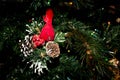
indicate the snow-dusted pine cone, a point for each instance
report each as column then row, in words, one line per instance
column 26, row 45
column 52, row 49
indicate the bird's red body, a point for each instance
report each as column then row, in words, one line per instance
column 47, row 32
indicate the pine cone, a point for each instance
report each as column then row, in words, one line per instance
column 52, row 49
column 26, row 45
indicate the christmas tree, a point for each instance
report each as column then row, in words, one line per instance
column 64, row 40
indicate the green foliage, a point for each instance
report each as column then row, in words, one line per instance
column 111, row 36
column 89, row 51
column 59, row 37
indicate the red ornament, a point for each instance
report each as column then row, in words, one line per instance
column 47, row 32
column 37, row 41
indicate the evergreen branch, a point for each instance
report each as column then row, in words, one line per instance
column 90, row 50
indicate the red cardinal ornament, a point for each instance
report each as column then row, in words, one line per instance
column 47, row 32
